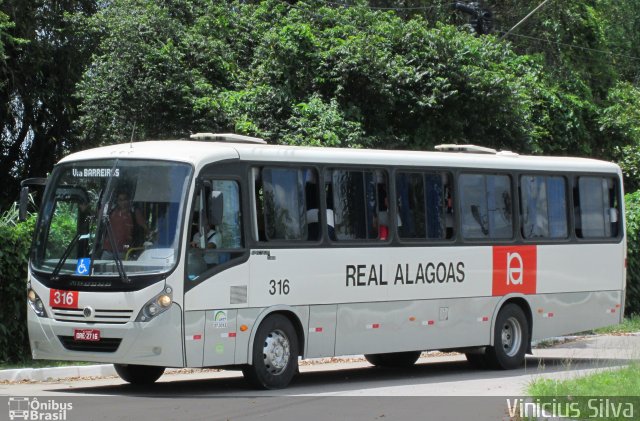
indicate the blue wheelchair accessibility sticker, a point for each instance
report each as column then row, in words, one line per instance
column 82, row 268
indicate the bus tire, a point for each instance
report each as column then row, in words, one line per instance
column 275, row 354
column 393, row 359
column 138, row 374
column 511, row 339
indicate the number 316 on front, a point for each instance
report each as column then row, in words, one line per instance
column 63, row 299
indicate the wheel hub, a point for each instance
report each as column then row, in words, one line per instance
column 511, row 336
column 276, row 352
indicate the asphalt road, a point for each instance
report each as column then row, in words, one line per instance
column 439, row 388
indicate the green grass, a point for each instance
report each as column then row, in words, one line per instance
column 42, row 364
column 596, row 396
column 609, row 382
column 629, row 325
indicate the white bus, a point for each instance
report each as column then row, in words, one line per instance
column 228, row 252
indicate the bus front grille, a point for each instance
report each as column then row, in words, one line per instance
column 76, row 315
column 103, row 345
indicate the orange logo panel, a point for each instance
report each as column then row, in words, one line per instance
column 515, row 269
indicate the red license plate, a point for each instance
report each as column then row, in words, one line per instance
column 63, row 299
column 90, row 335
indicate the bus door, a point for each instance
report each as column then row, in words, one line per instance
column 216, row 281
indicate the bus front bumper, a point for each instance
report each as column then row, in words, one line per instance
column 157, row 342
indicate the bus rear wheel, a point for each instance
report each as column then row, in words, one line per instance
column 511, row 339
column 393, row 359
column 275, row 354
column 138, row 374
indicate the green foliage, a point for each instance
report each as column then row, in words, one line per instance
column 16, row 238
column 45, row 53
column 630, row 324
column 383, row 78
column 632, row 211
column 5, row 25
column 273, row 70
column 620, row 120
column 413, row 75
column 63, row 228
column 318, row 123
column 139, row 76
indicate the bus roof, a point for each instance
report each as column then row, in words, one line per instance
column 200, row 153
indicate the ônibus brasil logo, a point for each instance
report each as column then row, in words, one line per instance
column 24, row 408
column 515, row 269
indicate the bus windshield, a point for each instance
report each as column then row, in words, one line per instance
column 111, row 218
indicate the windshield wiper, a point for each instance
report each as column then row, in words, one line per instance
column 65, row 255
column 102, row 214
column 123, row 275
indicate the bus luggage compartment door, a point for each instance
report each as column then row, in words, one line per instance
column 220, row 337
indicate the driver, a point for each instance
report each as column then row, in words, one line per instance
column 122, row 219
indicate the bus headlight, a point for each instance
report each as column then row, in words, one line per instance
column 36, row 303
column 157, row 305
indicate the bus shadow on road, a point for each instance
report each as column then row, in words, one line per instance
column 350, row 380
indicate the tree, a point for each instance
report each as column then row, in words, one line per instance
column 5, row 36
column 143, row 76
column 376, row 73
column 273, row 70
column 44, row 56
column 620, row 120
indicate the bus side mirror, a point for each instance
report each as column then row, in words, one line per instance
column 214, row 208
column 23, row 204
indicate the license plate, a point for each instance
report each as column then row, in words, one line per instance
column 90, row 335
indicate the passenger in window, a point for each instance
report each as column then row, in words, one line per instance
column 381, row 221
column 83, row 226
column 124, row 221
column 212, row 238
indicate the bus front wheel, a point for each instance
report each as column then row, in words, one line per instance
column 275, row 354
column 511, row 339
column 138, row 374
column 393, row 359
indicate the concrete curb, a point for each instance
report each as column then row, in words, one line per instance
column 53, row 373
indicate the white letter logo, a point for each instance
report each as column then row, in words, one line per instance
column 514, row 273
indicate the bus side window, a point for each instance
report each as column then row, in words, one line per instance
column 259, row 201
column 486, row 206
column 435, row 185
column 355, row 195
column 411, row 205
column 424, row 205
column 287, row 204
column 543, row 205
column 597, row 207
column 215, row 241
